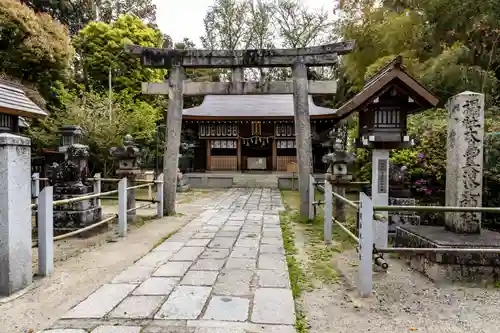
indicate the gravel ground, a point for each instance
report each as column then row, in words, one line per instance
column 403, row 301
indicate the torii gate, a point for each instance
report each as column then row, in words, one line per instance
column 298, row 59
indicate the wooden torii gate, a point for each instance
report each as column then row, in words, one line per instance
column 298, row 59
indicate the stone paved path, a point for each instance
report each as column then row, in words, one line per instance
column 224, row 272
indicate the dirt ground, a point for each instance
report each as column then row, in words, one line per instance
column 83, row 264
column 403, row 301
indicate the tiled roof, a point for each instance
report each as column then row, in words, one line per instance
column 251, row 106
column 14, row 101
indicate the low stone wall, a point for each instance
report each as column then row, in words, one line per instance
column 209, row 182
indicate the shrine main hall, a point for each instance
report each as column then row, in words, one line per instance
column 252, row 132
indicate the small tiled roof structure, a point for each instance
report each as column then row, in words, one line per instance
column 15, row 102
column 251, row 106
column 393, row 74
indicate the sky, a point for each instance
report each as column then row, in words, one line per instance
column 184, row 18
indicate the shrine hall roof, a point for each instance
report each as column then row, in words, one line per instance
column 14, row 101
column 251, row 106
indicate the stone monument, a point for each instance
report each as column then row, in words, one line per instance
column 464, row 172
column 128, row 156
column 69, row 179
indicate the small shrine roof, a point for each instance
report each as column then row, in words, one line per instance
column 14, row 101
column 393, row 74
column 251, row 106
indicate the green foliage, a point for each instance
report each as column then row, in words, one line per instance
column 100, row 47
column 103, row 128
column 33, row 47
column 76, row 14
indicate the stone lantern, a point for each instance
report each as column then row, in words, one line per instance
column 128, row 156
column 384, row 104
column 70, row 135
column 338, row 161
column 69, row 179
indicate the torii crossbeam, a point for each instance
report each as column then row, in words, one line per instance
column 298, row 59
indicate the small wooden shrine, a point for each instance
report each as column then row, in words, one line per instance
column 252, row 132
column 15, row 106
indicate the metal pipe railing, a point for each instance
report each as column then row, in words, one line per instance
column 79, row 231
column 139, row 186
column 346, row 230
column 345, row 200
column 86, row 197
column 90, row 227
column 448, row 209
column 138, row 207
column 436, row 250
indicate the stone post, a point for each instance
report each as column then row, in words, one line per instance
column 128, row 156
column 15, row 214
column 380, row 192
column 327, row 223
column 339, row 204
column 303, row 133
column 173, row 135
column 464, row 161
column 237, row 79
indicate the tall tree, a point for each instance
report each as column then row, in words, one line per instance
column 300, row 26
column 76, row 14
column 100, row 48
column 110, row 10
column 243, row 24
column 33, row 47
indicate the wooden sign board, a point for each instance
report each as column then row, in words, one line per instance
column 291, row 167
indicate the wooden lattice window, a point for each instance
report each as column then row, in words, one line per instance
column 387, row 118
column 7, row 122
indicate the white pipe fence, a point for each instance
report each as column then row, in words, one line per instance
column 45, row 204
column 368, row 227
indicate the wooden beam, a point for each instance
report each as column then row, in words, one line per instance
column 239, row 88
column 209, row 154
column 238, row 152
column 275, row 155
column 312, row 56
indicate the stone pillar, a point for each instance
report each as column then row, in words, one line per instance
column 339, row 204
column 15, row 214
column 303, row 133
column 464, row 161
column 237, row 79
column 173, row 135
column 380, row 192
column 128, row 156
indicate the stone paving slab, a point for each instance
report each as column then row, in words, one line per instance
column 224, row 272
column 102, row 301
column 117, row 329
